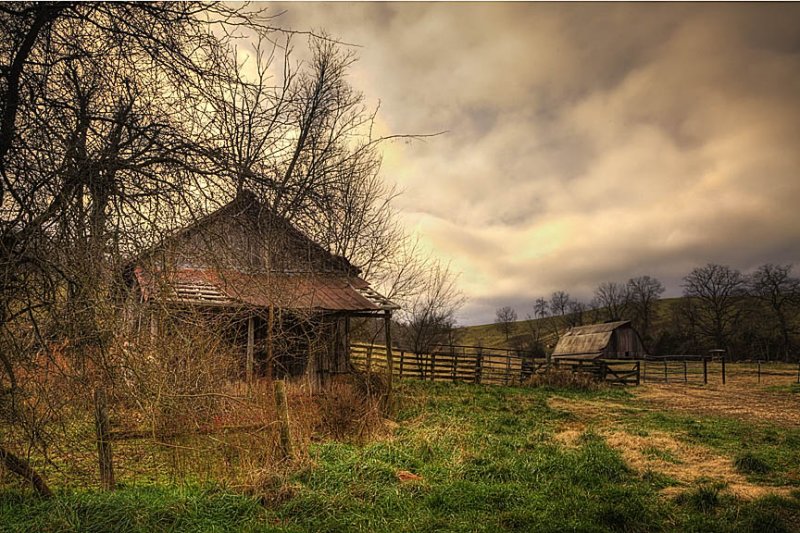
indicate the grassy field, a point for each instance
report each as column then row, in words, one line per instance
column 469, row 458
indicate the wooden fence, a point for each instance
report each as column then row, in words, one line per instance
column 498, row 366
column 686, row 369
column 491, row 366
column 703, row 369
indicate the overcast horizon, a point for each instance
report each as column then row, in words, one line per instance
column 585, row 142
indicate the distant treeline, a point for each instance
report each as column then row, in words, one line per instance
column 752, row 315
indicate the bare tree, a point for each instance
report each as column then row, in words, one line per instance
column 304, row 143
column 780, row 291
column 535, row 326
column 429, row 315
column 90, row 150
column 559, row 307
column 541, row 309
column 576, row 312
column 112, row 138
column 559, row 303
column 505, row 318
column 643, row 293
column 614, row 298
column 715, row 292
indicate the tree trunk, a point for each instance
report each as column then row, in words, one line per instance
column 23, row 469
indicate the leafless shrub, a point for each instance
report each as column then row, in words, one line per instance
column 566, row 379
column 347, row 412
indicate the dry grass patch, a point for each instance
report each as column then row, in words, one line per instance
column 745, row 402
column 570, row 433
column 655, row 451
column 687, row 463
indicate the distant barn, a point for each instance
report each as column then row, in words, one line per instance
column 608, row 340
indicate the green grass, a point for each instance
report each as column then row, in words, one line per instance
column 751, row 463
column 791, row 388
column 658, row 453
column 133, row 509
column 488, row 462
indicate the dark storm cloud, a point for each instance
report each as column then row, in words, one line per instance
column 587, row 142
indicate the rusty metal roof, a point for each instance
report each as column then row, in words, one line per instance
column 329, row 292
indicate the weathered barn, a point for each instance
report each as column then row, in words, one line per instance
column 287, row 301
column 607, row 340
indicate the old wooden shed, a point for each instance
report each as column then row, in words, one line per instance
column 287, row 300
column 608, row 340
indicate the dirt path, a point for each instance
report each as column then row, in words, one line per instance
column 751, row 403
column 655, row 451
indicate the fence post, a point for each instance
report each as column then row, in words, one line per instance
column 798, row 371
column 638, row 374
column 453, row 363
column 759, row 370
column 387, row 322
column 102, row 428
column 402, row 361
column 283, row 418
column 479, row 366
column 508, row 367
column 705, row 370
column 685, row 373
column 666, row 377
column 723, row 369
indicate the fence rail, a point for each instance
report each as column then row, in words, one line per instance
column 471, row 364
column 687, row 369
column 498, row 366
column 703, row 369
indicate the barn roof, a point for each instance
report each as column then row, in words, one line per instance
column 587, row 341
column 331, row 284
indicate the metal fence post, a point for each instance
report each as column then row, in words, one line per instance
column 705, row 370
column 723, row 369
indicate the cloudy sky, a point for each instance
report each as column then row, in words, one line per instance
column 585, row 142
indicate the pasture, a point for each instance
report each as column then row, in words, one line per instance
column 461, row 457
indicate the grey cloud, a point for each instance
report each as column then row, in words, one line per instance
column 587, row 142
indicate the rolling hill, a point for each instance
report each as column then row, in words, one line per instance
column 490, row 335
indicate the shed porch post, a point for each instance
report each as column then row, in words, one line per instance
column 248, row 372
column 387, row 320
column 346, row 363
column 270, row 326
